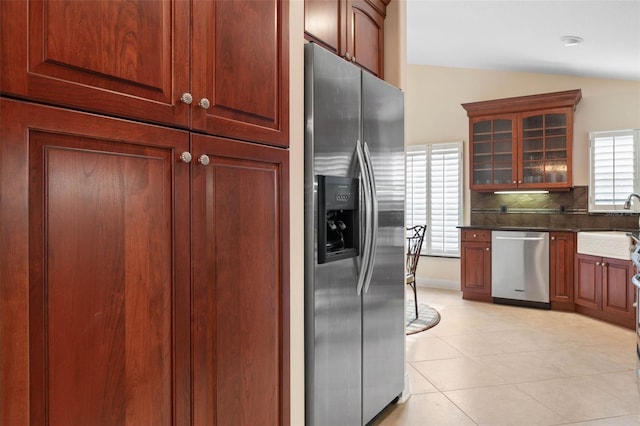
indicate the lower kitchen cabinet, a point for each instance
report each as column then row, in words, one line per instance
column 240, row 284
column 603, row 289
column 475, row 264
column 135, row 287
column 562, row 247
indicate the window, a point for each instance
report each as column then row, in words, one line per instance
column 613, row 158
column 434, row 195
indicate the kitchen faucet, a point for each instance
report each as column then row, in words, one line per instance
column 627, row 204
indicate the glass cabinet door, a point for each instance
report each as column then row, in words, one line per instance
column 545, row 148
column 492, row 151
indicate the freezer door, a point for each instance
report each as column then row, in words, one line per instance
column 333, row 332
column 383, row 318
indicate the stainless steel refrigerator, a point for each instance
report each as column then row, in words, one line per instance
column 354, row 241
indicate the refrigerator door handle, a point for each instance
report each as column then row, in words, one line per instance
column 366, row 251
column 374, row 219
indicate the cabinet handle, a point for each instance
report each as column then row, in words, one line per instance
column 186, row 157
column 204, row 103
column 203, row 159
column 186, row 98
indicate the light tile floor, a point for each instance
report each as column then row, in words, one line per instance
column 487, row 364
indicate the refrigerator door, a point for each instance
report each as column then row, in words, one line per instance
column 383, row 334
column 333, row 339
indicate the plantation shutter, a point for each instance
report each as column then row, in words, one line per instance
column 434, row 195
column 445, row 208
column 614, row 173
column 416, row 209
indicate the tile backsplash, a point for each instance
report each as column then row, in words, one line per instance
column 561, row 210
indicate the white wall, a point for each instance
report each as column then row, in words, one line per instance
column 434, row 114
column 296, row 189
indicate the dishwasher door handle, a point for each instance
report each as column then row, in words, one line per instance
column 521, row 238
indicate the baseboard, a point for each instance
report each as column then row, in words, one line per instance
column 442, row 284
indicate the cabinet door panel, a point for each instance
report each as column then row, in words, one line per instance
column 494, row 152
column 104, row 336
column 588, row 281
column 617, row 291
column 241, row 289
column 561, row 253
column 240, row 62
column 323, row 24
column 107, row 56
column 476, row 267
column 365, row 36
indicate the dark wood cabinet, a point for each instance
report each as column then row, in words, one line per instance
column 145, row 262
column 603, row 289
column 353, row 29
column 219, row 67
column 562, row 246
column 522, row 143
column 138, row 288
column 475, row 264
column 94, row 301
column 240, row 284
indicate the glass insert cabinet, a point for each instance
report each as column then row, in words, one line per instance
column 522, row 143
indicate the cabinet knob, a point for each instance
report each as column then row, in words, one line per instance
column 186, row 157
column 553, row 238
column 203, row 159
column 204, row 103
column 353, row 59
column 186, row 98
column 487, row 249
column 597, row 263
column 604, row 264
column 475, row 235
column 519, row 181
column 347, row 56
column 514, row 181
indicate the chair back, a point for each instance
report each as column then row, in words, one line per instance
column 415, row 235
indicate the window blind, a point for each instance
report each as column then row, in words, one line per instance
column 614, row 169
column 434, row 195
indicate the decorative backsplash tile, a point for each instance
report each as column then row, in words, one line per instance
column 562, row 210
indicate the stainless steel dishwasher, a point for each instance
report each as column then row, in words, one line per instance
column 520, row 268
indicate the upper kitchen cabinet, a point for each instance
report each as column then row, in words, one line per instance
column 240, row 69
column 353, row 29
column 220, row 67
column 522, row 143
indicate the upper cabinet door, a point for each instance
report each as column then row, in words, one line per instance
column 352, row 29
column 546, row 141
column 240, row 69
column 323, row 23
column 493, row 151
column 122, row 58
column 365, row 36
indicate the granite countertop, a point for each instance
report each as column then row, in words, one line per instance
column 633, row 233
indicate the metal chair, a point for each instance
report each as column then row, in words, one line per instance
column 415, row 235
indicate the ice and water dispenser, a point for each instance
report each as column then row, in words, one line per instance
column 338, row 217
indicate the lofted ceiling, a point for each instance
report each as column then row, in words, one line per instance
column 525, row 35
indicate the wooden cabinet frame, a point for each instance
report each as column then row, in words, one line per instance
column 517, row 110
column 603, row 289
